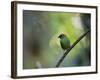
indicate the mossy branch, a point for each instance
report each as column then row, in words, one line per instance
column 71, row 47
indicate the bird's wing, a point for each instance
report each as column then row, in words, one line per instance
column 65, row 43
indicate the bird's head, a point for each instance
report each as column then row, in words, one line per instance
column 61, row 36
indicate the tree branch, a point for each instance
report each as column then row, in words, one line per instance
column 71, row 47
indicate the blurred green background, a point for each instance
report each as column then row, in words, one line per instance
column 41, row 46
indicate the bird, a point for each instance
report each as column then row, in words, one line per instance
column 64, row 41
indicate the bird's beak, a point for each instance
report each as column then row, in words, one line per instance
column 59, row 36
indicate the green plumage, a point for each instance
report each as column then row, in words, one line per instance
column 64, row 41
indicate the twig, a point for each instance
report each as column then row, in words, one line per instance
column 69, row 49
